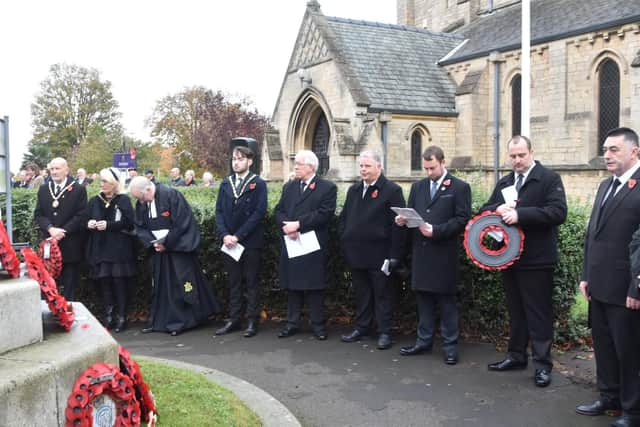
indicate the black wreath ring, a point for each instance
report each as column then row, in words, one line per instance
column 487, row 258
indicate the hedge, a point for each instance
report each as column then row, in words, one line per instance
column 483, row 313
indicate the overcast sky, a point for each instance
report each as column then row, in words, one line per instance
column 149, row 49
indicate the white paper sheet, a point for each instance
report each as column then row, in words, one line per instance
column 235, row 252
column 303, row 245
column 509, row 194
column 413, row 218
column 159, row 235
column 385, row 267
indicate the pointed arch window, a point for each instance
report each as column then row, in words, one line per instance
column 416, row 150
column 516, row 105
column 608, row 98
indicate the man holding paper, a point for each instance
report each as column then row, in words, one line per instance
column 373, row 245
column 240, row 208
column 305, row 209
column 182, row 297
column 533, row 198
column 444, row 202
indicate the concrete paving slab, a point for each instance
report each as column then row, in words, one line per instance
column 331, row 383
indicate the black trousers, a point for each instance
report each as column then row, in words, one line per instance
column 530, row 309
column 69, row 279
column 373, row 296
column 246, row 269
column 616, row 343
column 449, row 330
column 117, row 286
column 315, row 301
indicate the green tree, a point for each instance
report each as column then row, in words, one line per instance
column 74, row 105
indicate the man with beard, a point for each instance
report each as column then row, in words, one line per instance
column 182, row 297
column 59, row 214
column 240, row 208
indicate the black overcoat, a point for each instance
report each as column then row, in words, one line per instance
column 116, row 244
column 314, row 209
column 242, row 217
column 541, row 207
column 435, row 260
column 70, row 215
column 606, row 265
column 366, row 226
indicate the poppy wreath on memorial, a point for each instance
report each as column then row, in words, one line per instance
column 145, row 398
column 483, row 226
column 98, row 379
column 54, row 262
column 61, row 309
column 8, row 256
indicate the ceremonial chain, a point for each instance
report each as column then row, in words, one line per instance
column 247, row 180
column 55, row 202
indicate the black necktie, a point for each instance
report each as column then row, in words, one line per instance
column 364, row 191
column 238, row 184
column 612, row 192
column 57, row 189
column 303, row 185
column 519, row 182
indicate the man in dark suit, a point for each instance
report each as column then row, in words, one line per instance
column 370, row 239
column 607, row 282
column 444, row 203
column 540, row 208
column 59, row 214
column 240, row 209
column 307, row 204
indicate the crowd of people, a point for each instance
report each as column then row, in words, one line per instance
column 375, row 242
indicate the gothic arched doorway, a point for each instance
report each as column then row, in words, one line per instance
column 312, row 129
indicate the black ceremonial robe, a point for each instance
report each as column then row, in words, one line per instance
column 182, row 297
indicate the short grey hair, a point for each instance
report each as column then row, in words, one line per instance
column 370, row 154
column 309, row 158
column 140, row 184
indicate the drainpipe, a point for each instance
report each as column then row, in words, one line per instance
column 8, row 214
column 496, row 58
column 384, row 118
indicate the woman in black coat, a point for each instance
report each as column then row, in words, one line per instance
column 111, row 247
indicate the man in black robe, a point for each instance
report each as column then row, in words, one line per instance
column 182, row 297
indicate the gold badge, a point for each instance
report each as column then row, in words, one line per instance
column 188, row 287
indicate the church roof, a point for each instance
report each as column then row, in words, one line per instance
column 550, row 20
column 394, row 68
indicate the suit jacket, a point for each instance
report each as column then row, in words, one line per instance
column 314, row 209
column 366, row 225
column 606, row 265
column 242, row 217
column 70, row 215
column 541, row 207
column 435, row 259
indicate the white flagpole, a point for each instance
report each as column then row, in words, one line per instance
column 526, row 70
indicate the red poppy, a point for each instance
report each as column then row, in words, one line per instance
column 165, row 214
column 374, row 195
column 312, row 186
column 447, row 182
column 69, row 188
column 252, row 186
column 632, row 183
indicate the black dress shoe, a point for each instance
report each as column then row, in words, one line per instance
column 321, row 335
column 626, row 421
column 121, row 325
column 412, row 350
column 230, row 326
column 252, row 329
column 507, row 365
column 451, row 358
column 542, row 377
column 384, row 341
column 287, row 332
column 174, row 333
column 600, row 407
column 354, row 336
column 147, row 329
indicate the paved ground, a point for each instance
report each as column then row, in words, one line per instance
column 331, row 383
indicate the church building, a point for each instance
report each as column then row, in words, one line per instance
column 442, row 75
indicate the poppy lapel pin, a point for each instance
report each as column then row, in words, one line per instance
column 632, row 183
column 312, row 186
column 252, row 186
column 165, row 214
column 374, row 195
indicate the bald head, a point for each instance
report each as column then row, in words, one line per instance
column 142, row 189
column 58, row 169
